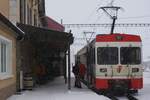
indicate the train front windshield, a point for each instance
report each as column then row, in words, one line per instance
column 130, row 55
column 107, row 55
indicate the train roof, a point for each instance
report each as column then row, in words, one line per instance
column 118, row 37
column 84, row 49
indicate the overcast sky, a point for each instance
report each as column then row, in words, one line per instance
column 86, row 11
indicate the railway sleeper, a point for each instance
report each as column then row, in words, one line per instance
column 109, row 94
column 130, row 97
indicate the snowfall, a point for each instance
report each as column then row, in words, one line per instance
column 57, row 90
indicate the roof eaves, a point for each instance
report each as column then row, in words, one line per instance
column 18, row 32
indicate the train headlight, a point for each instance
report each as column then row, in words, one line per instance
column 103, row 70
column 134, row 70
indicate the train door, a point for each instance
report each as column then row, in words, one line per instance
column 119, row 70
column 91, row 65
column 88, row 65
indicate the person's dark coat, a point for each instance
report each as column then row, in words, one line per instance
column 75, row 70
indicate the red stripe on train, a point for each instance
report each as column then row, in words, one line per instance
column 101, row 83
column 137, row 83
column 134, row 83
column 118, row 38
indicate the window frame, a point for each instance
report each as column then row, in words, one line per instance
column 8, row 72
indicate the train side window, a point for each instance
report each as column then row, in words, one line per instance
column 107, row 55
column 94, row 54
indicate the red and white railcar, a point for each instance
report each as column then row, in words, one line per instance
column 113, row 62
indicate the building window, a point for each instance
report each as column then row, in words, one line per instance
column 5, row 58
column 35, row 18
column 29, row 12
column 22, row 11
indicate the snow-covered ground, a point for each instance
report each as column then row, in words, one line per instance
column 144, row 94
column 57, row 90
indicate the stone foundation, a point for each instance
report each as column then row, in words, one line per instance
column 7, row 92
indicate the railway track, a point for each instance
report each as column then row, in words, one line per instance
column 112, row 97
column 129, row 96
column 106, row 94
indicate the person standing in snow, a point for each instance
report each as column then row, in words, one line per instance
column 82, row 71
column 77, row 77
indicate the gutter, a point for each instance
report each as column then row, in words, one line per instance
column 19, row 33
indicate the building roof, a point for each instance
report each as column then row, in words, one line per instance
column 53, row 25
column 19, row 33
column 55, row 39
